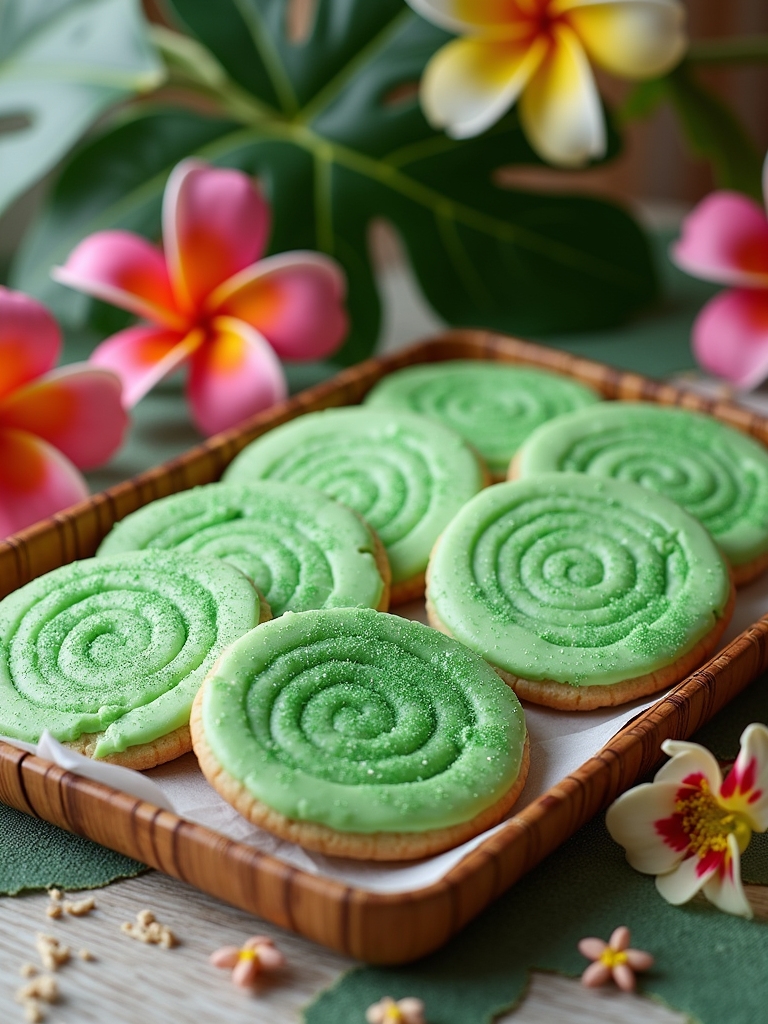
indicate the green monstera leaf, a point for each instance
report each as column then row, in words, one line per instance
column 62, row 64
column 331, row 125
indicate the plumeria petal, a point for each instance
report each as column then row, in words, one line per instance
column 215, row 224
column 560, row 108
column 725, row 240
column 36, row 481
column 639, row 960
column 78, row 409
column 141, row 357
column 619, row 939
column 490, row 18
column 632, row 821
column 730, row 336
column 30, row 340
column 470, row 83
column 245, row 972
column 227, row 956
column 689, row 763
column 686, row 880
column 724, row 888
column 294, row 300
column 595, row 975
column 592, row 948
column 235, row 374
column 745, row 787
column 624, row 977
column 126, row 270
column 630, row 38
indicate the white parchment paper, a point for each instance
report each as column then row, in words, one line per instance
column 560, row 743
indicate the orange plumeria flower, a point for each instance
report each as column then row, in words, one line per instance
column 613, row 959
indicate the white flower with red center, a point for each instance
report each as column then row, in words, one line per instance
column 689, row 827
column 538, row 53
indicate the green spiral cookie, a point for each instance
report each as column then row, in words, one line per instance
column 494, row 406
column 718, row 474
column 301, row 549
column 117, row 646
column 578, row 580
column 406, row 475
column 362, row 722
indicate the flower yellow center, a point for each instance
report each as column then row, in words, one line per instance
column 708, row 824
column 613, row 957
column 393, row 1015
column 248, row 954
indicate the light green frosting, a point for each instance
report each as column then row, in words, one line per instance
column 406, row 475
column 117, row 645
column 301, row 549
column 364, row 722
column 577, row 579
column 718, row 474
column 494, row 406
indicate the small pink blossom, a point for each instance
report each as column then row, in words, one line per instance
column 401, row 1011
column 613, row 959
column 725, row 240
column 255, row 957
column 52, row 422
column 209, row 299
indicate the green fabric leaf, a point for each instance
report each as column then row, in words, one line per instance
column 714, row 133
column 62, row 64
column 335, row 133
column 36, row 855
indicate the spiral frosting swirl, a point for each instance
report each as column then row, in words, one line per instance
column 117, row 646
column 577, row 580
column 364, row 722
column 301, row 549
column 716, row 473
column 494, row 406
column 404, row 474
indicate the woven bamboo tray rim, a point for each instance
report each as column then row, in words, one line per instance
column 378, row 928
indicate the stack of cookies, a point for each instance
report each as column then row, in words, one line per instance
column 249, row 619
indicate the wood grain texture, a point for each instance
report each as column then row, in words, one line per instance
column 130, row 982
column 377, row 928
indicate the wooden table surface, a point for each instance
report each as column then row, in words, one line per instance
column 131, row 983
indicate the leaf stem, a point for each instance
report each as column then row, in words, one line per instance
column 736, row 50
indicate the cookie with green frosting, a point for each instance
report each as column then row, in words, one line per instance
column 360, row 734
column 582, row 592
column 406, row 476
column 301, row 549
column 494, row 406
column 108, row 653
column 716, row 473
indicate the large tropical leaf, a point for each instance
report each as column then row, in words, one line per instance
column 62, row 63
column 335, row 133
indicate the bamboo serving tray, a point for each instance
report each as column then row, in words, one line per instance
column 384, row 929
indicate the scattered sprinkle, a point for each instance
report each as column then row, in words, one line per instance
column 27, row 970
column 79, row 908
column 53, row 953
column 44, row 989
column 149, row 930
column 86, row 954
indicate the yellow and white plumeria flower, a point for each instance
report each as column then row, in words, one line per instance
column 539, row 52
column 689, row 827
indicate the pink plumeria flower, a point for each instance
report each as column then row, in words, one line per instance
column 210, row 299
column 255, row 957
column 689, row 827
column 401, row 1011
column 725, row 240
column 52, row 422
column 613, row 959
